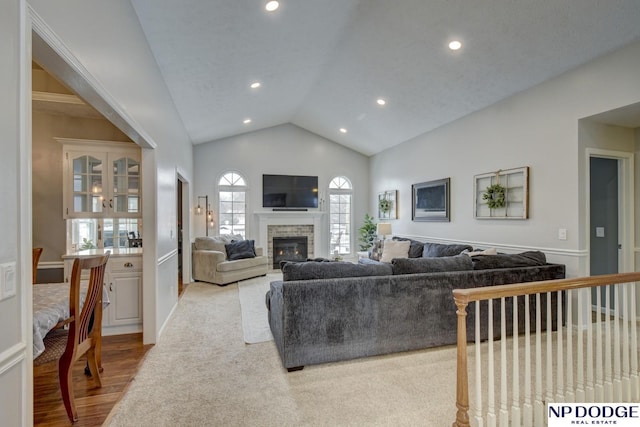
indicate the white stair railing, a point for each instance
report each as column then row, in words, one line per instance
column 599, row 337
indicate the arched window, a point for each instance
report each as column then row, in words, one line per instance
column 340, row 222
column 232, row 196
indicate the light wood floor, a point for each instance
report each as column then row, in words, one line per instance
column 121, row 358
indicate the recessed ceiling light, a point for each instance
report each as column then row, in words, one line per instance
column 271, row 6
column 343, row 130
column 455, row 45
column 381, row 101
column 255, row 85
column 246, row 121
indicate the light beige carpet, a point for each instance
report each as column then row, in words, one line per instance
column 255, row 322
column 201, row 373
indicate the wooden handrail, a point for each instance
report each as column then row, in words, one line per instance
column 519, row 289
column 463, row 297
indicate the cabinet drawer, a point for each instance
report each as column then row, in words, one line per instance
column 119, row 264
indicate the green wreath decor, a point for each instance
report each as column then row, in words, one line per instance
column 494, row 195
column 384, row 205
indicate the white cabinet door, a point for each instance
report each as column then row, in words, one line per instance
column 85, row 182
column 124, row 180
column 101, row 179
column 125, row 294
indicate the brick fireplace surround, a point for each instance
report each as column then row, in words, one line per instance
column 288, row 224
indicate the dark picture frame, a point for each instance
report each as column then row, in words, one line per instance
column 430, row 200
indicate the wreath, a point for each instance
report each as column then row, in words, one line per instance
column 494, row 195
column 384, row 205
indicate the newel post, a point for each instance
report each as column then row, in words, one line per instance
column 462, row 381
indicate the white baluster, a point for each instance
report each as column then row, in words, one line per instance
column 560, row 349
column 504, row 413
column 478, row 347
column 491, row 414
column 626, row 380
column 569, row 393
column 527, row 409
column 539, row 414
column 580, row 356
column 599, row 385
column 589, row 390
column 608, row 344
column 617, row 370
column 549, row 353
column 515, row 406
column 635, row 376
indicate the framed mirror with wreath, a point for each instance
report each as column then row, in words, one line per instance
column 388, row 204
column 503, row 194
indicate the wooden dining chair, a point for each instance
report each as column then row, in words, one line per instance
column 83, row 334
column 34, row 262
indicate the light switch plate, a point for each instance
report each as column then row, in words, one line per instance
column 562, row 234
column 7, row 280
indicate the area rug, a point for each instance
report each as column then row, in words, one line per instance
column 253, row 311
column 201, row 373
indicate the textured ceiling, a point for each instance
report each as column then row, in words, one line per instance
column 323, row 63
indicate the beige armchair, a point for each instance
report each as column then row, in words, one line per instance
column 211, row 264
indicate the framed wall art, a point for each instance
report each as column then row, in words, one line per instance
column 503, row 194
column 388, row 204
column 430, row 200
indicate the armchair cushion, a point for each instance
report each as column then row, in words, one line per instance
column 210, row 244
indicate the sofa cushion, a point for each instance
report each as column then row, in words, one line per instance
column 240, row 249
column 210, row 244
column 395, row 249
column 460, row 262
column 331, row 270
column 524, row 259
column 438, row 249
column 415, row 249
column 242, row 264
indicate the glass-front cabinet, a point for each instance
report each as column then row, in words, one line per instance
column 102, row 203
column 101, row 179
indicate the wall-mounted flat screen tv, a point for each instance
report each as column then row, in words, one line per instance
column 289, row 191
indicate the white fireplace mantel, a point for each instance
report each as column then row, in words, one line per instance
column 267, row 218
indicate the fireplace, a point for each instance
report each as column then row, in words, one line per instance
column 289, row 249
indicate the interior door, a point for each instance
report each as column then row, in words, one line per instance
column 604, row 219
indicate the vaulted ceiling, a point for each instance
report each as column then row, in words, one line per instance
column 323, row 64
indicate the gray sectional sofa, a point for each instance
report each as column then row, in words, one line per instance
column 330, row 311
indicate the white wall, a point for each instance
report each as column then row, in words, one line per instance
column 107, row 40
column 14, row 353
column 536, row 128
column 284, row 149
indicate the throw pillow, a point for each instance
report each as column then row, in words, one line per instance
column 416, row 248
column 331, row 270
column 395, row 249
column 524, row 259
column 438, row 249
column 490, row 251
column 240, row 249
column 460, row 262
column 374, row 252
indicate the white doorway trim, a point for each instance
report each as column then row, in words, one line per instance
column 626, row 209
column 51, row 51
column 181, row 177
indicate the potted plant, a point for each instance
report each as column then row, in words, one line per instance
column 367, row 233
